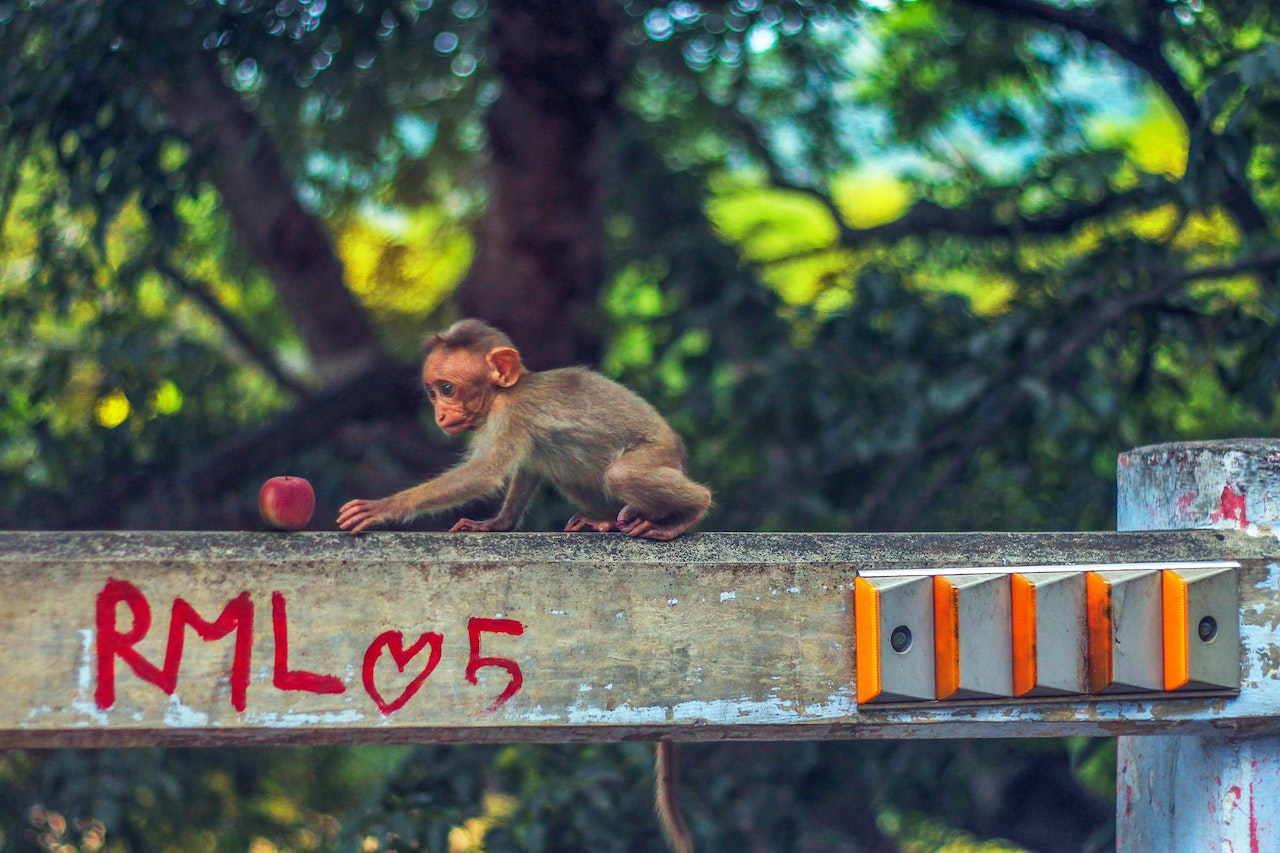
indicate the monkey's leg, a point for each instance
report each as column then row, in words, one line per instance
column 661, row 502
column 580, row 523
column 597, row 509
column 519, row 492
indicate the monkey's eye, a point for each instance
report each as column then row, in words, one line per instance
column 446, row 388
column 431, row 393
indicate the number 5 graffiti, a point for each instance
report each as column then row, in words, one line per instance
column 477, row 626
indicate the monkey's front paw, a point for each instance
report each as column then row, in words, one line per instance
column 581, row 523
column 357, row 515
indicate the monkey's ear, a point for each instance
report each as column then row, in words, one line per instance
column 504, row 366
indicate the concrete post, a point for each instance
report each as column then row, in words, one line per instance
column 1177, row 793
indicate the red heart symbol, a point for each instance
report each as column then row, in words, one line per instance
column 393, row 641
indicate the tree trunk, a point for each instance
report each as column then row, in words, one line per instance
column 292, row 247
column 539, row 266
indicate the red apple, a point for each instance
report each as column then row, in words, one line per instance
column 286, row 503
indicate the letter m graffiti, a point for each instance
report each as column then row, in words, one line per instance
column 114, row 644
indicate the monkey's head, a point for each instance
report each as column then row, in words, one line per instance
column 466, row 368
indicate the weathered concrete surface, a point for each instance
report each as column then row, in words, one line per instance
column 1195, row 792
column 378, row 638
column 1222, row 485
column 1198, row 793
column 594, row 634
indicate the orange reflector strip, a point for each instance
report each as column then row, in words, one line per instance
column 1098, row 595
column 1022, row 600
column 1177, row 644
column 866, row 621
column 946, row 637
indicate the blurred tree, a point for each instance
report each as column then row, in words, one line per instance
column 888, row 265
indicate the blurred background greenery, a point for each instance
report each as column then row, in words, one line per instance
column 886, row 265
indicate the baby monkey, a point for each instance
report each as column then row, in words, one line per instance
column 608, row 451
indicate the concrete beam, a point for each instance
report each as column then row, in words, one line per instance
column 397, row 637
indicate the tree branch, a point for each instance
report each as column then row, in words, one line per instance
column 385, row 391
column 1144, row 53
column 1049, row 358
column 1147, row 54
column 260, row 355
column 1268, row 261
column 289, row 243
column 925, row 216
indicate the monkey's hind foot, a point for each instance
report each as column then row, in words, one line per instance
column 582, row 524
column 632, row 523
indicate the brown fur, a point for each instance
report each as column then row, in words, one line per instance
column 467, row 334
column 665, row 803
column 607, row 450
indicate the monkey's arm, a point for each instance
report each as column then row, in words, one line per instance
column 519, row 493
column 482, row 474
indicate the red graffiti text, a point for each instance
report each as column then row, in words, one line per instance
column 420, row 657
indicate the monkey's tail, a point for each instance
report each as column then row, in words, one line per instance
column 665, row 803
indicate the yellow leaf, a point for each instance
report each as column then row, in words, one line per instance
column 871, row 197
column 112, row 410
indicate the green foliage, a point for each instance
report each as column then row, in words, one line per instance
column 886, row 266
column 404, row 265
column 104, row 366
column 419, row 802
column 182, row 800
column 71, row 91
column 109, row 365
column 966, row 371
column 574, row 799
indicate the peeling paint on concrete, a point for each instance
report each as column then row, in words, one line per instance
column 1196, row 792
column 180, row 716
column 286, row 721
